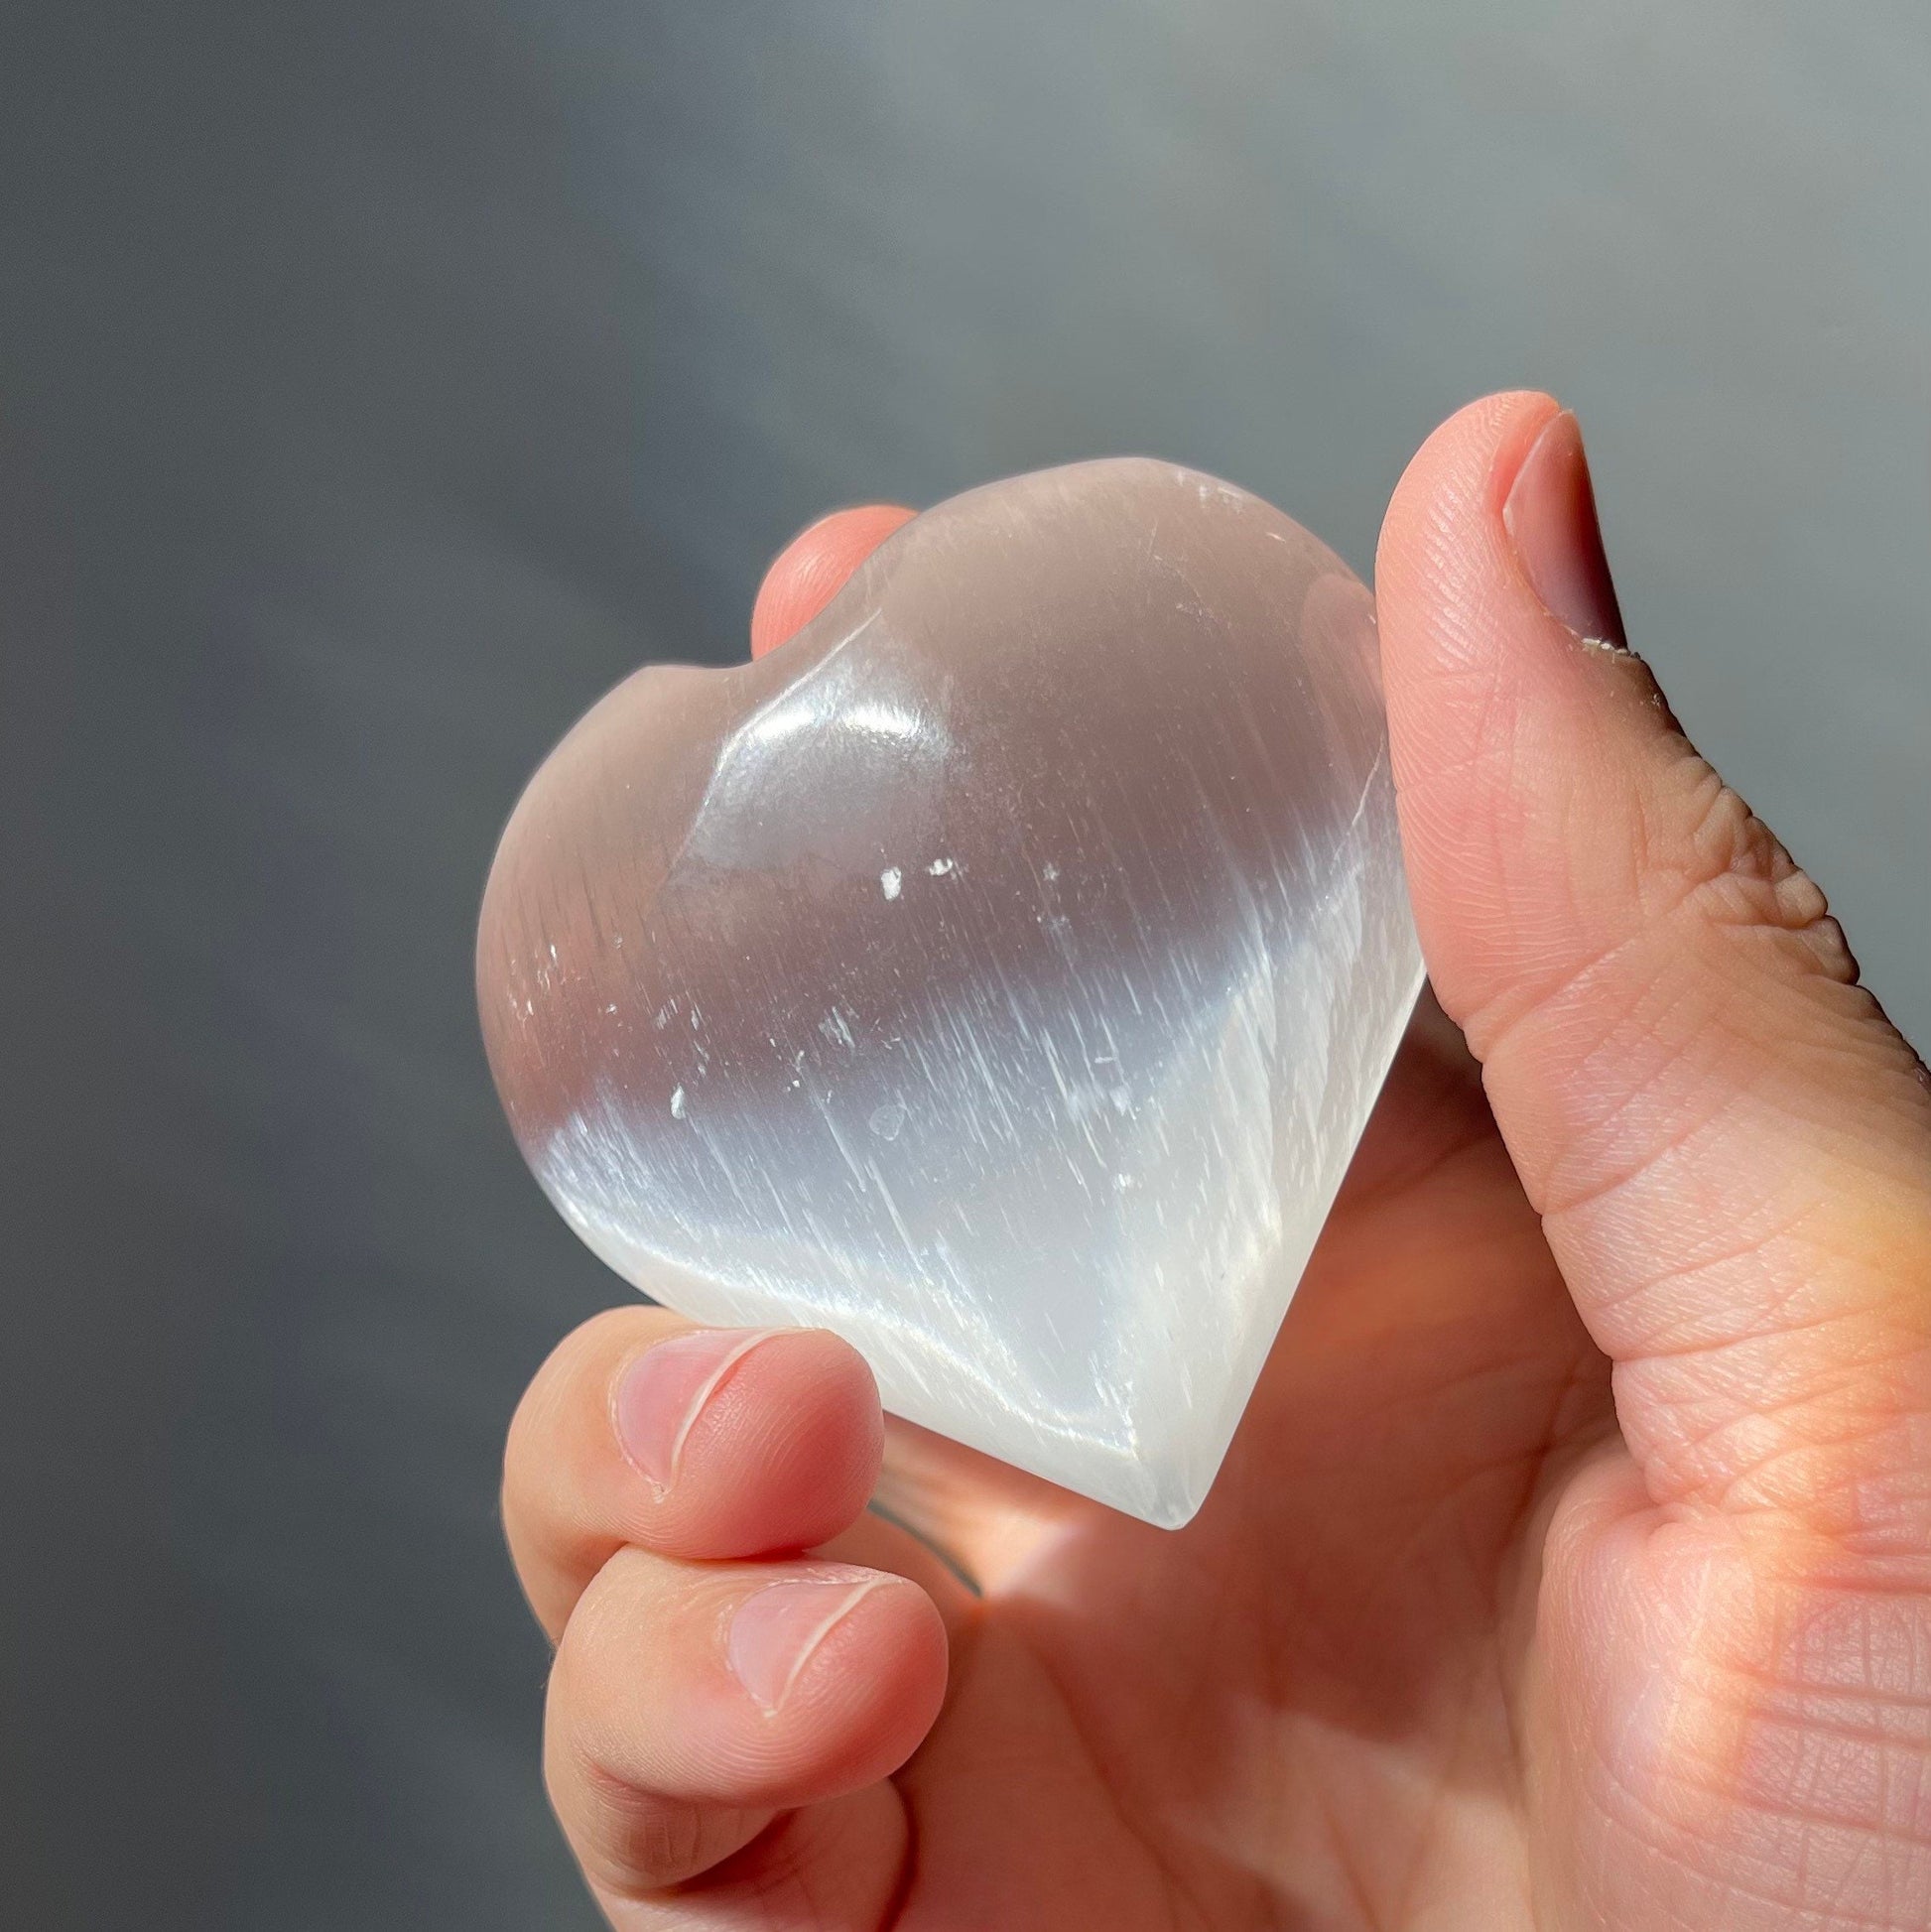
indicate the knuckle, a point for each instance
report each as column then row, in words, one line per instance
column 1731, row 869
column 610, row 1615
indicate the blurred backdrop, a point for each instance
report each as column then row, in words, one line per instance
column 381, row 379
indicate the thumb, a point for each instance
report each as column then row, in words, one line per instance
column 1729, row 1144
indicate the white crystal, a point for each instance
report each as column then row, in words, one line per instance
column 1014, row 959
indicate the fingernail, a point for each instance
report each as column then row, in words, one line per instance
column 1550, row 517
column 664, row 1391
column 775, row 1634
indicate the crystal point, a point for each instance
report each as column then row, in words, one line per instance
column 999, row 973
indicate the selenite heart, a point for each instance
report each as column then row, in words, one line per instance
column 999, row 973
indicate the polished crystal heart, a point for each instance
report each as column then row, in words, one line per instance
column 999, row 973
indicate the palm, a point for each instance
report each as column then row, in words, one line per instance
column 1302, row 1703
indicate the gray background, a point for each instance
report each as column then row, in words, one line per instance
column 380, row 380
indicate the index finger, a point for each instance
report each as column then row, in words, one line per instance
column 645, row 1429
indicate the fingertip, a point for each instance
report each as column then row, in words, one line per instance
column 783, row 1453
column 889, row 1673
column 690, row 1702
column 1443, row 534
column 1483, row 441
column 693, row 1441
column 1500, row 711
column 843, row 1675
column 745, row 1686
column 814, row 566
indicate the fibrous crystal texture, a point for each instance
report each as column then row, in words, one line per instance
column 999, row 973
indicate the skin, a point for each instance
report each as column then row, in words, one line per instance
column 1573, row 1564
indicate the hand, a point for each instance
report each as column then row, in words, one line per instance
column 1573, row 1564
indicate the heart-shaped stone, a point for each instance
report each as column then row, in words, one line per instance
column 1000, row 973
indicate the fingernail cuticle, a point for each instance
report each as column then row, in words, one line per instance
column 661, row 1395
column 776, row 1631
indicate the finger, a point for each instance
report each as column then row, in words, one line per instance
column 643, row 1428
column 690, row 1702
column 1730, row 1145
column 813, row 566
